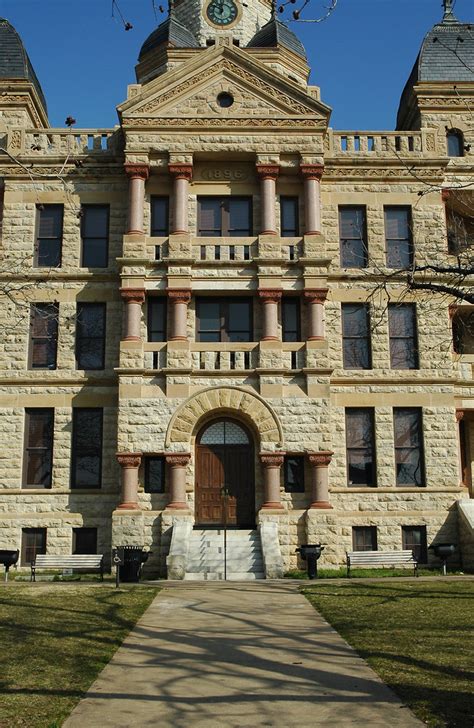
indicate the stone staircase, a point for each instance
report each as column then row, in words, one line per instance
column 205, row 559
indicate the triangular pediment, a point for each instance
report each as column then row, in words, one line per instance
column 189, row 93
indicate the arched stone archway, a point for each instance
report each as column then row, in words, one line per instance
column 247, row 405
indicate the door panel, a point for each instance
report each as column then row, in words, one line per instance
column 230, row 466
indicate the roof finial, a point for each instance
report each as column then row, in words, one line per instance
column 448, row 11
column 170, row 6
column 274, row 9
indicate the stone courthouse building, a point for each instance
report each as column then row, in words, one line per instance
column 204, row 319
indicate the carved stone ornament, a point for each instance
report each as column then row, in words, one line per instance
column 320, row 459
column 272, row 459
column 316, row 295
column 270, row 295
column 312, row 171
column 137, row 171
column 222, row 123
column 179, row 295
column 129, row 459
column 178, row 460
column 181, row 171
column 133, row 295
column 268, row 171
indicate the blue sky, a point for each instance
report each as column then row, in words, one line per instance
column 361, row 57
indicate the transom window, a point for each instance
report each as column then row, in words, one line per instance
column 227, row 319
column 224, row 433
column 225, row 216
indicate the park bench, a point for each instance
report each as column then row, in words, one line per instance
column 376, row 559
column 75, row 562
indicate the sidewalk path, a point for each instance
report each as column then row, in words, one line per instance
column 237, row 655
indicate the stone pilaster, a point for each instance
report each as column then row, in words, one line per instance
column 268, row 175
column 316, row 298
column 270, row 299
column 272, row 462
column 312, row 174
column 319, row 462
column 177, row 463
column 179, row 299
column 137, row 174
column 129, row 462
column 134, row 298
column 182, row 175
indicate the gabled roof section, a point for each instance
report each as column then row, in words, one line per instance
column 14, row 61
column 275, row 34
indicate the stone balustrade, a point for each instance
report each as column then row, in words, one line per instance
column 375, row 142
column 68, row 141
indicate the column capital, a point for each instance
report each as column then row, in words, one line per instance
column 316, row 295
column 137, row 171
column 129, row 459
column 312, row 171
column 133, row 295
column 460, row 414
column 178, row 459
column 179, row 295
column 272, row 459
column 320, row 459
column 181, row 171
column 267, row 171
column 270, row 295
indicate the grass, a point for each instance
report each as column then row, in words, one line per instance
column 341, row 573
column 416, row 635
column 55, row 639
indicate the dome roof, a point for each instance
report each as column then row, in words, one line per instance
column 171, row 33
column 14, row 61
column 275, row 33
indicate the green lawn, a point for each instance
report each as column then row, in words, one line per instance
column 418, row 636
column 54, row 640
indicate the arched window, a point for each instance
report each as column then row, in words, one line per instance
column 455, row 143
column 224, row 432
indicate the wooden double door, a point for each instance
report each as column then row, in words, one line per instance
column 225, row 488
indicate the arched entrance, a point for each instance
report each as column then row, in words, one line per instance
column 225, row 487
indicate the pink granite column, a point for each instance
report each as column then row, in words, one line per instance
column 316, row 298
column 312, row 174
column 182, row 174
column 268, row 174
column 129, row 462
column 272, row 462
column 319, row 462
column 270, row 299
column 177, row 463
column 134, row 298
column 137, row 174
column 179, row 300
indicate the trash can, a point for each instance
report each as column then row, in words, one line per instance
column 132, row 558
column 311, row 553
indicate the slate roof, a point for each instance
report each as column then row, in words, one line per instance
column 275, row 33
column 170, row 32
column 14, row 61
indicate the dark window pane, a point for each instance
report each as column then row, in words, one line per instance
column 356, row 336
column 408, row 446
column 86, row 448
column 294, row 474
column 364, row 538
column 159, row 217
column 210, row 216
column 157, row 329
column 237, row 320
column 221, row 216
column 84, row 540
column 289, row 217
column 463, row 332
column 455, row 144
column 291, row 319
column 403, row 336
column 33, row 542
column 154, row 475
column 90, row 335
column 49, row 236
column 224, row 320
column 360, row 447
column 38, row 461
column 239, row 211
column 414, row 539
column 353, row 237
column 95, row 236
column 398, row 239
column 44, row 335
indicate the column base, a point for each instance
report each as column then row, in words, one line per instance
column 321, row 504
column 179, row 232
column 128, row 507
column 177, row 507
column 269, row 338
column 273, row 504
column 132, row 338
column 268, row 232
column 315, row 338
column 178, row 338
column 313, row 232
column 135, row 232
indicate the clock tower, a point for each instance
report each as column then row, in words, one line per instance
column 207, row 19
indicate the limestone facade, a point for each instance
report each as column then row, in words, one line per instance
column 272, row 143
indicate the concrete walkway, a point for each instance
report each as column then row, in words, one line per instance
column 232, row 655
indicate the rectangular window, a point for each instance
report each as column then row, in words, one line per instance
column 84, row 540
column 225, row 216
column 364, row 538
column 43, row 335
column 398, row 237
column 353, row 237
column 157, row 319
column 154, row 475
column 49, row 236
column 86, row 467
column 414, row 539
column 160, row 217
column 360, row 447
column 289, row 217
column 463, row 331
column 403, row 336
column 408, row 446
column 33, row 542
column 224, row 319
column 291, row 319
column 38, row 456
column 294, row 474
column 90, row 335
column 356, row 346
column 95, row 236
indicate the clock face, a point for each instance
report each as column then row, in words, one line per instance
column 222, row 12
